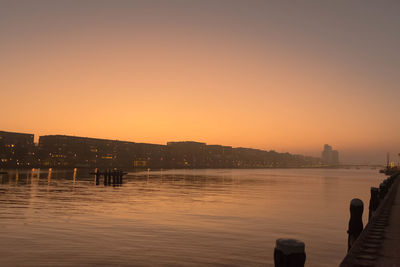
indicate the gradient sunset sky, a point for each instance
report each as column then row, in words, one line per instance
column 283, row 75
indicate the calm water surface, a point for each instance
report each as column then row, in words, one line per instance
column 177, row 217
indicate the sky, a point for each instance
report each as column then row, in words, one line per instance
column 288, row 76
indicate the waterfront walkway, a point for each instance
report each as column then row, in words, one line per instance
column 379, row 243
column 389, row 255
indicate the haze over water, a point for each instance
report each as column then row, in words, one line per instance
column 177, row 217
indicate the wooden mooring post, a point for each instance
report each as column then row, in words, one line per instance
column 97, row 176
column 120, row 174
column 289, row 253
column 106, row 176
column 355, row 223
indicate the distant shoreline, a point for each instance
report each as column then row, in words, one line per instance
column 167, row 169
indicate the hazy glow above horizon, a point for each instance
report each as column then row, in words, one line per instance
column 270, row 75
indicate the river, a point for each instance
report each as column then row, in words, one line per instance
column 177, row 217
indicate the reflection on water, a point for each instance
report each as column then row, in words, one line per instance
column 176, row 217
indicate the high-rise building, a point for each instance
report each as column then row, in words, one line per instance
column 329, row 156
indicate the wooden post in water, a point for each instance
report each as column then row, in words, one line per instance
column 373, row 202
column 97, row 176
column 105, row 176
column 289, row 253
column 355, row 223
column 108, row 176
column 114, row 177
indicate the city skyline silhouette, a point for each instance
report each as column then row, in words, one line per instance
column 287, row 77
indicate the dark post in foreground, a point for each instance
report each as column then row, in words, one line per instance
column 355, row 224
column 289, row 253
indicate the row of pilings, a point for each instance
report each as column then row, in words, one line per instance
column 378, row 194
column 291, row 252
column 364, row 243
column 110, row 176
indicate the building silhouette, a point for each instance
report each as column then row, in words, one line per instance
column 62, row 151
column 329, row 156
column 73, row 151
column 17, row 150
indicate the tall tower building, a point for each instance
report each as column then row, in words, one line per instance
column 329, row 156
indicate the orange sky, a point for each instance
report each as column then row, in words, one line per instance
column 287, row 77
